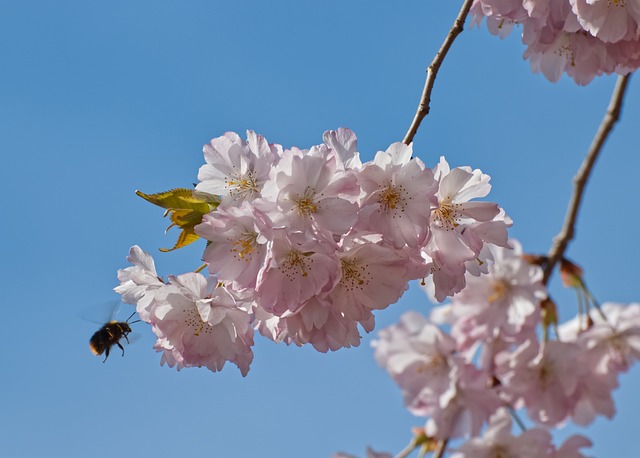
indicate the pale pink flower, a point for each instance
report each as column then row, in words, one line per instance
column 200, row 324
column 497, row 441
column 611, row 346
column 545, row 379
column 237, row 169
column 372, row 277
column 139, row 283
column 238, row 247
column 420, row 358
column 608, row 20
column 296, row 268
column 465, row 406
column 503, row 303
column 398, row 194
column 310, row 193
column 315, row 323
column 344, row 144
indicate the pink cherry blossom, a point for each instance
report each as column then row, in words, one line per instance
column 398, row 195
column 200, row 324
column 419, row 357
column 310, row 193
column 296, row 268
column 238, row 247
column 315, row 323
column 139, row 283
column 237, row 169
column 498, row 441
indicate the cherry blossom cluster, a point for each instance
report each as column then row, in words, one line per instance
column 584, row 38
column 306, row 244
column 492, row 359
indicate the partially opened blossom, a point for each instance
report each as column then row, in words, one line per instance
column 237, row 169
column 139, row 283
column 344, row 144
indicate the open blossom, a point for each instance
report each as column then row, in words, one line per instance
column 420, row 358
column 372, row 277
column 237, row 169
column 583, row 38
column 501, row 304
column 544, row 378
column 200, row 324
column 238, row 247
column 497, row 441
column 460, row 227
column 316, row 323
column 308, row 192
column 296, row 268
column 465, row 407
column 612, row 345
column 398, row 195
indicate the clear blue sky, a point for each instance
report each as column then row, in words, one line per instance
column 99, row 98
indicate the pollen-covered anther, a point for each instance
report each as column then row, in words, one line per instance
column 447, row 215
column 352, row 274
column 305, row 204
column 392, row 198
column 500, row 289
column 433, row 364
column 295, row 265
column 244, row 246
column 242, row 185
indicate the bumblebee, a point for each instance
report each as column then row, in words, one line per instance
column 109, row 335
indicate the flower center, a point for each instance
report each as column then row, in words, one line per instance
column 447, row 214
column 305, row 204
column 242, row 185
column 392, row 197
column 353, row 275
column 244, row 246
column 500, row 289
column 295, row 265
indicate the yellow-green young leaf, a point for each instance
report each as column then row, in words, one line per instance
column 183, row 199
column 185, row 207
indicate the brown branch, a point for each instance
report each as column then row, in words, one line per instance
column 432, row 71
column 566, row 234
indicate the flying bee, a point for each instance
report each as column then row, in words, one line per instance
column 109, row 335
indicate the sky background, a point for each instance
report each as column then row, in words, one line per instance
column 100, row 98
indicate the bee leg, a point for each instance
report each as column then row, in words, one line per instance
column 125, row 336
column 121, row 348
column 106, row 354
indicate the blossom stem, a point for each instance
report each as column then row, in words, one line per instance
column 407, row 450
column 517, row 418
column 442, row 445
column 201, row 268
column 432, row 71
column 561, row 241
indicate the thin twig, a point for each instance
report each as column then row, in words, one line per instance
column 432, row 71
column 561, row 241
